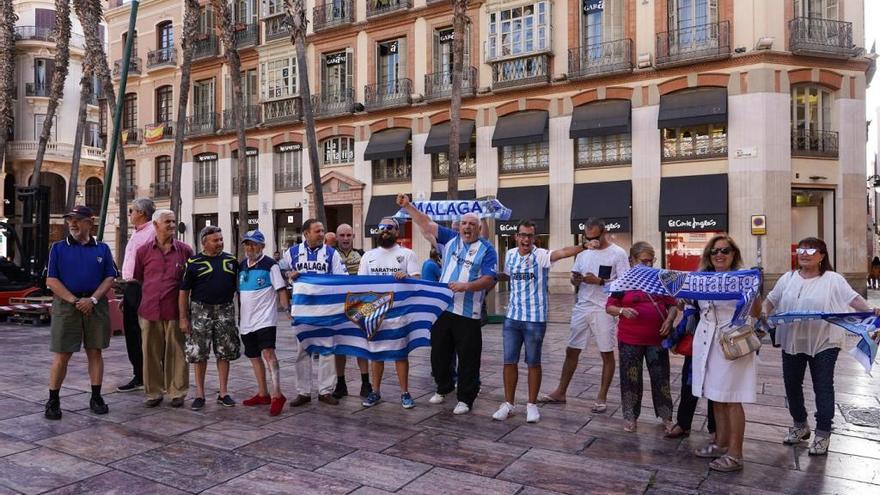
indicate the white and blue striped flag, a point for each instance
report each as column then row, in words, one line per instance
column 864, row 324
column 375, row 317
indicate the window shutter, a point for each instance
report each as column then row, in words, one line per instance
column 44, row 18
column 401, row 58
column 227, row 93
column 831, row 10
column 349, row 70
column 251, row 97
column 438, row 64
column 467, row 45
column 50, row 71
column 713, row 11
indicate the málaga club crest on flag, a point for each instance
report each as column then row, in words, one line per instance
column 367, row 310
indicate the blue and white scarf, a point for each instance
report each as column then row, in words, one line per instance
column 741, row 286
column 863, row 324
column 451, row 210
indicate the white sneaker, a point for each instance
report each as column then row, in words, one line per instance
column 461, row 408
column 505, row 410
column 437, row 399
column 532, row 413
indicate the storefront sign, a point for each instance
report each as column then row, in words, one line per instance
column 759, row 224
column 335, row 59
column 248, row 152
column 287, row 147
column 389, row 48
column 693, row 223
column 206, row 157
column 593, row 6
column 446, row 36
column 611, row 225
column 509, row 227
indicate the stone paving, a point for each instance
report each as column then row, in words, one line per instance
column 346, row 449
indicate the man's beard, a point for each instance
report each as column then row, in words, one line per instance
column 387, row 241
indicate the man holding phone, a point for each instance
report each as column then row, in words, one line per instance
column 600, row 263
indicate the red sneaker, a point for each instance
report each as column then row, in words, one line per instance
column 277, row 405
column 257, row 400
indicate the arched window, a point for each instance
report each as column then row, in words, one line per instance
column 165, row 36
column 57, row 191
column 164, row 103
column 337, row 150
column 94, row 193
column 129, row 111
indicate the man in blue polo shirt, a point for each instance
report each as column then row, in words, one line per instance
column 81, row 271
column 469, row 269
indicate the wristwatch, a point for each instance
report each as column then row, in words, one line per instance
column 94, row 301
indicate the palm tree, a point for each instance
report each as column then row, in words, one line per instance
column 296, row 18
column 62, row 59
column 227, row 36
column 8, row 18
column 190, row 25
column 459, row 21
column 85, row 91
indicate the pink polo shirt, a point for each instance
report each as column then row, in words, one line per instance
column 160, row 274
column 142, row 235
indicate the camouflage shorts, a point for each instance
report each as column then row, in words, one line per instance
column 212, row 325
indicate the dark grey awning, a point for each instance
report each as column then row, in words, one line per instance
column 695, row 203
column 390, row 143
column 466, row 194
column 380, row 207
column 610, row 201
column 438, row 137
column 521, row 128
column 527, row 203
column 693, row 107
column 602, row 118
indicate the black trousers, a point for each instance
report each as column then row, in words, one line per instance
column 454, row 335
column 688, row 403
column 131, row 299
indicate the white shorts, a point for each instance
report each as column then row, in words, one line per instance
column 595, row 322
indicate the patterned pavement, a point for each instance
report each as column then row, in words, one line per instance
column 346, row 449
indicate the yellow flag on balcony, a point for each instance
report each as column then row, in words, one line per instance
column 124, row 137
column 155, row 133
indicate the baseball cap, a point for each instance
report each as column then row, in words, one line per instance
column 80, row 211
column 255, row 236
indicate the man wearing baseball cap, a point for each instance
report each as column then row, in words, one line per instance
column 81, row 271
column 260, row 288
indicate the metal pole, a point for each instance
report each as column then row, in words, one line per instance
column 117, row 121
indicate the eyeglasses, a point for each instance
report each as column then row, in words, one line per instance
column 386, row 226
column 724, row 250
column 807, row 251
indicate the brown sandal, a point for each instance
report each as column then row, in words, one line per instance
column 726, row 464
column 677, row 432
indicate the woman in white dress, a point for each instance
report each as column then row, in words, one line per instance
column 727, row 383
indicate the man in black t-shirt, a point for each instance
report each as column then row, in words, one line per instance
column 207, row 291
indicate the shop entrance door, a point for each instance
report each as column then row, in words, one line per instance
column 812, row 215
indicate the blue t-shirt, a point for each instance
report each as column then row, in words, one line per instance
column 81, row 267
column 465, row 263
column 430, row 270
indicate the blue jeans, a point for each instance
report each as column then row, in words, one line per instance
column 794, row 366
column 516, row 333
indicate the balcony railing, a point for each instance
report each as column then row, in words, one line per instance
column 287, row 181
column 381, row 7
column 37, row 89
column 524, row 71
column 247, row 35
column 134, row 67
column 163, row 57
column 286, row 110
column 438, row 85
column 396, row 93
column 205, row 46
column 332, row 13
column 205, row 188
column 338, row 103
column 603, row 151
column 252, row 184
column 251, row 117
column 158, row 131
column 131, row 136
column 821, row 37
column 35, row 33
column 695, row 147
column 600, row 59
column 201, row 124
column 276, row 27
column 693, row 44
column 814, row 143
column 387, row 171
column 28, row 149
column 440, row 167
column 160, row 190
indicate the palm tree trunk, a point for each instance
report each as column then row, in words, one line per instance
column 85, row 90
column 296, row 15
column 459, row 21
column 8, row 18
column 190, row 25
column 62, row 59
column 227, row 35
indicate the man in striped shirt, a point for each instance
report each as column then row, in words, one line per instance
column 469, row 269
column 528, row 269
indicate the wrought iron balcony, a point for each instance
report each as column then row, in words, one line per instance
column 131, row 136
column 201, row 123
column 276, row 27
column 338, row 103
column 814, row 143
column 821, row 37
column 158, row 131
column 522, row 71
column 252, row 184
column 35, row 33
column 134, row 67
column 286, row 110
column 390, row 94
column 438, row 85
column 285, row 181
column 205, row 46
column 332, row 13
column 37, row 89
column 247, row 35
column 160, row 190
column 163, row 57
column 600, row 59
column 204, row 188
column 251, row 117
column 693, row 44
column 389, row 171
column 376, row 8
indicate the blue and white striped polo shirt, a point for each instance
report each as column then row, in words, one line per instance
column 529, row 284
column 466, row 263
column 324, row 260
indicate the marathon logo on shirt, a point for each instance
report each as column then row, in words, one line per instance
column 312, row 266
column 383, row 270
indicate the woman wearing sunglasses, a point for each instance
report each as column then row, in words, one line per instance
column 814, row 286
column 727, row 383
column 643, row 322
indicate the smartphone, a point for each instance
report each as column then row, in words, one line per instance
column 604, row 272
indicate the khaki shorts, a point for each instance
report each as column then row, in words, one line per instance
column 596, row 323
column 71, row 329
column 213, row 325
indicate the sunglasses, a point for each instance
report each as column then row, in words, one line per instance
column 807, row 251
column 386, row 226
column 724, row 250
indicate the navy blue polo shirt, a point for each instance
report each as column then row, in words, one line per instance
column 212, row 279
column 81, row 267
